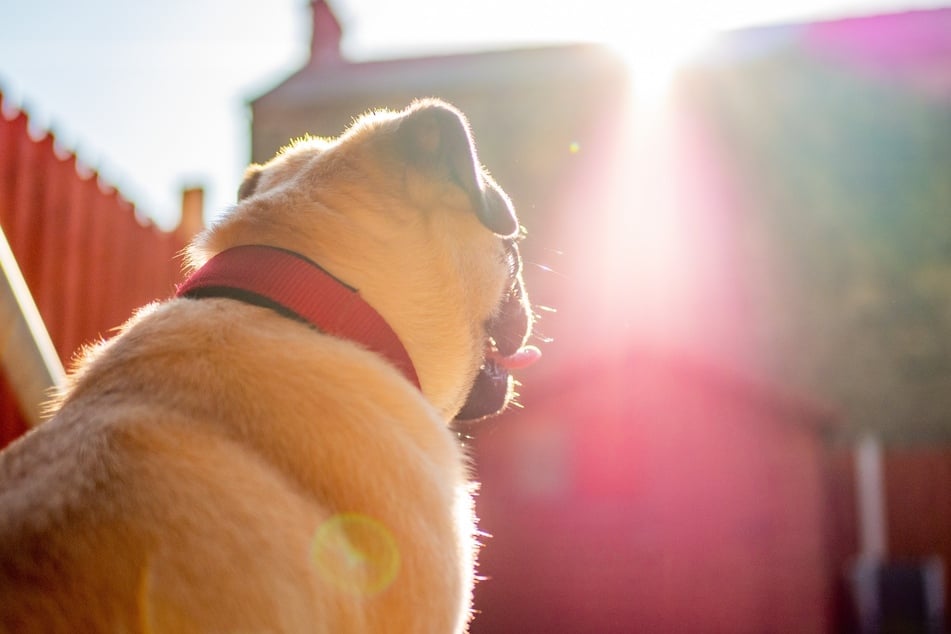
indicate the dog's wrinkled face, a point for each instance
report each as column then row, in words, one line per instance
column 400, row 208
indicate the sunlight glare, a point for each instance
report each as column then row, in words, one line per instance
column 655, row 55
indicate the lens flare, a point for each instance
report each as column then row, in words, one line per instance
column 356, row 553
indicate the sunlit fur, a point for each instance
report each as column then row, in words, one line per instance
column 449, row 270
column 193, row 458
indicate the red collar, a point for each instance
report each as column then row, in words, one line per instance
column 297, row 287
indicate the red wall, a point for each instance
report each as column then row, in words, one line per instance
column 918, row 490
column 654, row 496
column 87, row 258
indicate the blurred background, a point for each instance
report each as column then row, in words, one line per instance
column 739, row 245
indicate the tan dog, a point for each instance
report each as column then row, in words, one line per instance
column 255, row 455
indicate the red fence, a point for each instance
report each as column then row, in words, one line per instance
column 87, row 257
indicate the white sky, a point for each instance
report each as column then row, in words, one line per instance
column 153, row 94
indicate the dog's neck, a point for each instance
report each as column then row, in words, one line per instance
column 298, row 288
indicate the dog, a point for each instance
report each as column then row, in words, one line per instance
column 271, row 450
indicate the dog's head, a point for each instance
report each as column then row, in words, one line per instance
column 400, row 208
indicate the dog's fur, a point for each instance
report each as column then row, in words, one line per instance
column 199, row 460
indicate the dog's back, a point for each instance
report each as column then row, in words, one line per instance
column 156, row 501
column 233, row 461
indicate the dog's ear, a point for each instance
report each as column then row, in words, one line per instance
column 250, row 182
column 435, row 137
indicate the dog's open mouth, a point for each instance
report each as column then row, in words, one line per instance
column 505, row 351
column 492, row 389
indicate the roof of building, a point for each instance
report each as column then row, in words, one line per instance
column 328, row 75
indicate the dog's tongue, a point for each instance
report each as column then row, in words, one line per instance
column 519, row 360
column 490, row 392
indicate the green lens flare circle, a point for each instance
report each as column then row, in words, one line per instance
column 355, row 553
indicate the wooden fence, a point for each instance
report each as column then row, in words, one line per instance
column 87, row 257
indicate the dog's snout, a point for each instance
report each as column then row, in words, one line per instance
column 494, row 210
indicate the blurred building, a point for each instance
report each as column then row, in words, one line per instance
column 748, row 277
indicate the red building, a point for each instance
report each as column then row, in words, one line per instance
column 654, row 494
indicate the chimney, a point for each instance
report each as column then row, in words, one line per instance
column 325, row 40
column 193, row 208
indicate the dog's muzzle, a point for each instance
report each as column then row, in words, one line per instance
column 508, row 332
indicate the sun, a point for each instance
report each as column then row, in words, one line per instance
column 655, row 55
